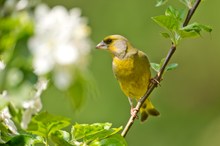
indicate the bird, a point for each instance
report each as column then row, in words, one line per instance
column 131, row 68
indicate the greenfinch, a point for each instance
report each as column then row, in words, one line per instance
column 131, row 68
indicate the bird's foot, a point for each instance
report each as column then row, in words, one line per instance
column 134, row 112
column 155, row 81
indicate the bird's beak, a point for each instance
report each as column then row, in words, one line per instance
column 102, row 45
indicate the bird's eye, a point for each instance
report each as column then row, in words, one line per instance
column 108, row 41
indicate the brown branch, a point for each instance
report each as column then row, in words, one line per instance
column 158, row 77
column 191, row 12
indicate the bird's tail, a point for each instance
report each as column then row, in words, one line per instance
column 148, row 109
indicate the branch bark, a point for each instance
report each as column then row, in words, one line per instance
column 158, row 77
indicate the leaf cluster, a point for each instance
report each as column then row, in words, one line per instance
column 173, row 20
column 47, row 129
column 157, row 67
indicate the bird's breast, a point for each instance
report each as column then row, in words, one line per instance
column 133, row 76
column 123, row 68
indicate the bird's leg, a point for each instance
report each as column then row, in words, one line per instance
column 155, row 81
column 133, row 109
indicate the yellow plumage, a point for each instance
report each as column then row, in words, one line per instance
column 131, row 67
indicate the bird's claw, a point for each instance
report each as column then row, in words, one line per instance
column 155, row 81
column 134, row 112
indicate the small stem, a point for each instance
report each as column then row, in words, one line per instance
column 191, row 12
column 169, row 55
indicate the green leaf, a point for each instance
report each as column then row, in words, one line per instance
column 44, row 124
column 22, row 140
column 161, row 2
column 155, row 67
column 171, row 66
column 205, row 27
column 12, row 110
column 97, row 131
column 197, row 28
column 188, row 34
column 165, row 35
column 178, row 14
column 114, row 140
column 80, row 131
column 60, row 138
column 167, row 22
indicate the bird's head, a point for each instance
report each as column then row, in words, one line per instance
column 116, row 44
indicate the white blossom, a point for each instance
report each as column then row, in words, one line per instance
column 21, row 4
column 2, row 65
column 34, row 105
column 5, row 117
column 60, row 41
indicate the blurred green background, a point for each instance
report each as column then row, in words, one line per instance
column 189, row 98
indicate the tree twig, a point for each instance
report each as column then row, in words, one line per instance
column 158, row 77
column 191, row 12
